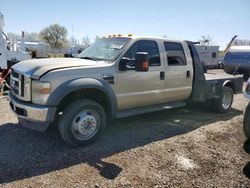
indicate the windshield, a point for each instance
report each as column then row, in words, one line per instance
column 105, row 49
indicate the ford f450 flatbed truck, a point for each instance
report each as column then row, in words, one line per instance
column 115, row 77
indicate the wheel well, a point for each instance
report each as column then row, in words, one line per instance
column 230, row 85
column 93, row 94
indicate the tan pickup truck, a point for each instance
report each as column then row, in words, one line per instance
column 114, row 77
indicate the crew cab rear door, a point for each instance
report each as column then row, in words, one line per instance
column 179, row 71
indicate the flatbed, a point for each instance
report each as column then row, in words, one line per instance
column 220, row 75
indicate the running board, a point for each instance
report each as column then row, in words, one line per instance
column 148, row 109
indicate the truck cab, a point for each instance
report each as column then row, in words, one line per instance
column 160, row 83
column 114, row 77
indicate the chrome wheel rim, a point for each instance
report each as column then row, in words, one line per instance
column 226, row 100
column 85, row 124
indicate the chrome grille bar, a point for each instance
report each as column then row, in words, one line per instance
column 20, row 86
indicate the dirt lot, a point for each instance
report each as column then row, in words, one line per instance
column 184, row 147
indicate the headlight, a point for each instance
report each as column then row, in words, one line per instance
column 40, row 91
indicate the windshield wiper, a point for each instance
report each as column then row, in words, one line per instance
column 90, row 58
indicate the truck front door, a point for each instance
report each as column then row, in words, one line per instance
column 137, row 89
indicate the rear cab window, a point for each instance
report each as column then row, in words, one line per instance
column 175, row 54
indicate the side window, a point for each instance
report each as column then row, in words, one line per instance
column 175, row 54
column 145, row 46
column 214, row 55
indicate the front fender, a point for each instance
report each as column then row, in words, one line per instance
column 82, row 83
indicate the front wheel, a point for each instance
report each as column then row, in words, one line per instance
column 82, row 122
column 224, row 103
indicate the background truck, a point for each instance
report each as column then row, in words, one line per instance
column 36, row 49
column 115, row 77
column 237, row 61
column 8, row 57
column 73, row 51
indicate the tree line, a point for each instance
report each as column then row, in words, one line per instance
column 54, row 35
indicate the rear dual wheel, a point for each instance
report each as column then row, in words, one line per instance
column 224, row 103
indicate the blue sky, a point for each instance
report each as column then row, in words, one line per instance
column 177, row 19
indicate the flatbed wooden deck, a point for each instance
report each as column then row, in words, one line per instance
column 219, row 74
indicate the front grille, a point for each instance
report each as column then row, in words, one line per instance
column 14, row 74
column 18, row 87
column 16, row 83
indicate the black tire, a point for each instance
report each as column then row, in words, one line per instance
column 246, row 122
column 71, row 116
column 245, row 76
column 217, row 104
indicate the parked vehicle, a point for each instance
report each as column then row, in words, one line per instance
column 246, row 121
column 37, row 49
column 74, row 51
column 223, row 53
column 8, row 57
column 237, row 61
column 115, row 77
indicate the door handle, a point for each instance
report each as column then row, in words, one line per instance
column 162, row 75
column 188, row 74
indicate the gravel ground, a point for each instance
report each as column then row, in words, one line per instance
column 187, row 147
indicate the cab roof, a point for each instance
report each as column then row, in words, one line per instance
column 147, row 38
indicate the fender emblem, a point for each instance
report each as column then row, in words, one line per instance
column 108, row 78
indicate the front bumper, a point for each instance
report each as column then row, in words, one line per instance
column 36, row 117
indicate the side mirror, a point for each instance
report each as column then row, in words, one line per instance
column 123, row 64
column 126, row 64
column 141, row 61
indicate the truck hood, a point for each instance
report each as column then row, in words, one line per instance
column 37, row 67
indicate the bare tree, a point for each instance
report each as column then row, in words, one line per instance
column 73, row 41
column 54, row 35
column 206, row 40
column 13, row 37
column 32, row 36
column 97, row 37
column 27, row 36
column 165, row 36
column 86, row 41
column 241, row 42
